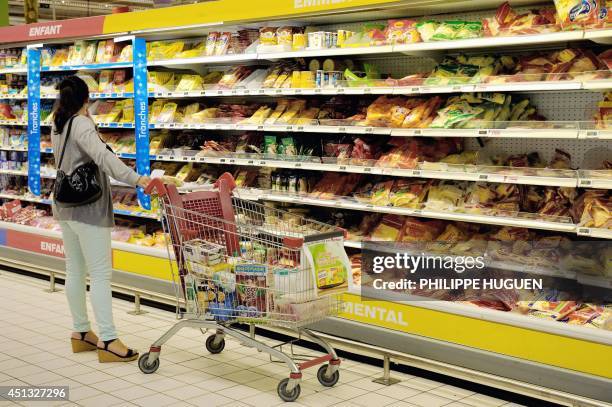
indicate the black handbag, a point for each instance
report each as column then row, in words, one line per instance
column 79, row 188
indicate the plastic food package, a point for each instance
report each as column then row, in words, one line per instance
column 576, row 14
column 211, row 41
column 267, row 36
column 389, row 229
column 402, row 32
column 222, row 43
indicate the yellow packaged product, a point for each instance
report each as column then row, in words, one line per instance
column 307, row 116
column 90, row 53
column 444, row 197
column 295, row 107
column 191, row 109
column 296, row 79
column 155, row 110
column 267, row 36
column 184, row 172
column 76, row 54
column 307, row 79
column 127, row 111
column 115, row 113
column 211, row 40
column 203, row 116
column 100, row 52
column 126, row 54
column 168, row 113
column 92, row 84
column 189, row 82
column 197, row 50
column 298, row 41
column 281, row 106
column 104, row 82
column 60, row 57
column 212, row 77
column 271, row 78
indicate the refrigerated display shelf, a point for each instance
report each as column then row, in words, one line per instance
column 44, row 201
column 94, row 95
column 87, row 67
column 552, row 86
column 14, row 69
column 526, row 220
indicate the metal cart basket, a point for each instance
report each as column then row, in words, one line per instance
column 237, row 261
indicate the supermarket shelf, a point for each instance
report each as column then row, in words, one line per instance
column 603, row 36
column 115, row 125
column 87, row 67
column 596, row 85
column 546, row 133
column 94, row 95
column 16, row 69
column 13, row 123
column 595, row 232
column 443, row 173
column 595, row 134
column 26, row 198
column 23, row 173
column 35, row 199
column 532, row 223
column 13, row 96
column 492, row 42
column 221, row 59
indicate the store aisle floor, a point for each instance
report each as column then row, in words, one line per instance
column 35, row 350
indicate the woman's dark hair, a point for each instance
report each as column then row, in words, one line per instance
column 73, row 94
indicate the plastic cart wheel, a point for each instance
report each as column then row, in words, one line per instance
column 145, row 366
column 286, row 395
column 212, row 347
column 327, row 381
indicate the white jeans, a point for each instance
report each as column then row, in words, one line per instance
column 88, row 248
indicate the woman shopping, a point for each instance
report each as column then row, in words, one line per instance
column 83, row 206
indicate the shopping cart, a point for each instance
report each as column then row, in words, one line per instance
column 237, row 261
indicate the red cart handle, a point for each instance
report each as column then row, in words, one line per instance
column 228, row 179
column 156, row 184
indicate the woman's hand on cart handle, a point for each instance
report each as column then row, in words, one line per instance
column 143, row 181
column 155, row 184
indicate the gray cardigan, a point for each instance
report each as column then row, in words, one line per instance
column 83, row 146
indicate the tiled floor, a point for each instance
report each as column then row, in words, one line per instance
column 34, row 350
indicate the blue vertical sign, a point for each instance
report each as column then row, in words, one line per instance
column 141, row 115
column 34, row 120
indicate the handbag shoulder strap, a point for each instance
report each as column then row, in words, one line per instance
column 65, row 142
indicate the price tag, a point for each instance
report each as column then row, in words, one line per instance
column 318, row 91
column 193, row 158
column 417, row 212
column 342, row 167
column 250, row 162
column 298, row 91
column 171, row 125
column 185, row 158
column 299, row 128
column 220, row 92
column 297, row 165
column 585, row 183
column 259, row 128
column 261, row 91
column 418, row 132
column 456, row 88
column 234, row 92
column 367, row 169
column 584, row 231
column 262, row 163
column 483, row 177
column 416, row 173
column 222, row 160
column 185, row 93
column 592, row 133
column 369, row 130
column 341, row 129
column 218, row 127
column 278, row 91
column 171, row 157
column 369, row 206
column 482, row 132
column 202, row 159
column 367, row 91
column 232, row 161
column 289, row 128
column 202, row 92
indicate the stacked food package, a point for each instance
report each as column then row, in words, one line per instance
column 87, row 52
